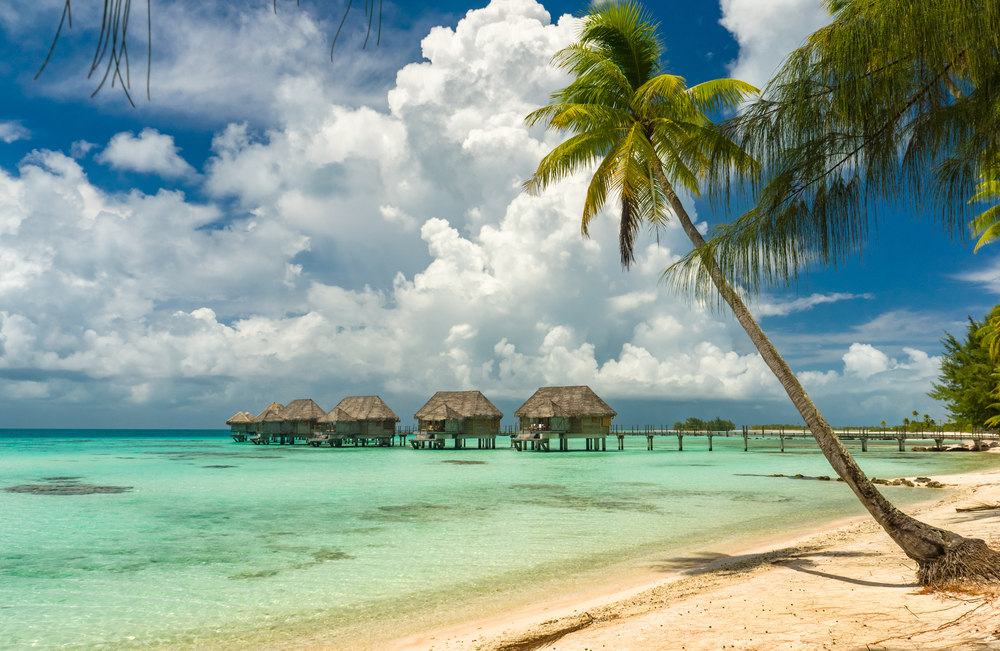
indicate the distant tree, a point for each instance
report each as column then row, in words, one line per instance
column 966, row 384
column 720, row 425
column 694, row 424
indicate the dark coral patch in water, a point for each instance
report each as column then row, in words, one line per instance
column 263, row 574
column 61, row 478
column 418, row 512
column 66, row 488
column 326, row 554
column 220, row 466
column 463, row 462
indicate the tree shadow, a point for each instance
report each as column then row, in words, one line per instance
column 802, row 567
column 703, row 562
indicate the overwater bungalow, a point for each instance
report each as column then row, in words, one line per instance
column 563, row 413
column 238, row 425
column 360, row 420
column 300, row 420
column 267, row 424
column 458, row 416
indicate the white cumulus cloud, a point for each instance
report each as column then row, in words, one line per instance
column 150, row 153
column 385, row 249
column 865, row 360
column 767, row 31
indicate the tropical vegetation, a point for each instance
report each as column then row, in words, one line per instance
column 967, row 383
column 892, row 108
column 699, row 425
column 644, row 135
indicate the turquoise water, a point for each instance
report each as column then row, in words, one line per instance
column 220, row 545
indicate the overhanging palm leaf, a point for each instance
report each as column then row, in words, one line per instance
column 894, row 107
column 651, row 134
column 987, row 223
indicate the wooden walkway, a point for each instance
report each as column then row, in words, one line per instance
column 978, row 439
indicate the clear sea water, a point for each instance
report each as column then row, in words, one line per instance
column 223, row 545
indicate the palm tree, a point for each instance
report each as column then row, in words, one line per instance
column 647, row 133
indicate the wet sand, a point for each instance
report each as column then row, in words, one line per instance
column 845, row 587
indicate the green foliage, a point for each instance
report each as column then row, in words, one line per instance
column 967, row 384
column 987, row 223
column 990, row 332
column 894, row 106
column 630, row 123
column 699, row 425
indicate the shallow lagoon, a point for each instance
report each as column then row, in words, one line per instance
column 226, row 545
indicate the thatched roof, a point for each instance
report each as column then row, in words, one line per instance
column 240, row 418
column 271, row 414
column 565, row 402
column 458, row 405
column 302, row 409
column 360, row 408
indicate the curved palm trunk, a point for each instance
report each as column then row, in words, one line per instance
column 941, row 555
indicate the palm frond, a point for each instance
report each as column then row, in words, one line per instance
column 721, row 94
column 891, row 108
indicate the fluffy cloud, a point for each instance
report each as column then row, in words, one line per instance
column 865, row 360
column 150, row 153
column 350, row 249
column 767, row 30
column 11, row 130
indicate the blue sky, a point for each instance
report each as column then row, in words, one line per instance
column 274, row 225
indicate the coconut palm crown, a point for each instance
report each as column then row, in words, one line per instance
column 634, row 123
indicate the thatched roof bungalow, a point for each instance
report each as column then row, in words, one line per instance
column 268, row 423
column 238, row 425
column 361, row 419
column 564, row 413
column 302, row 418
column 457, row 415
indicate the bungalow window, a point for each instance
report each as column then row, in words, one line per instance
column 593, row 420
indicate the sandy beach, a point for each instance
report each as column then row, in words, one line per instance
column 846, row 587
